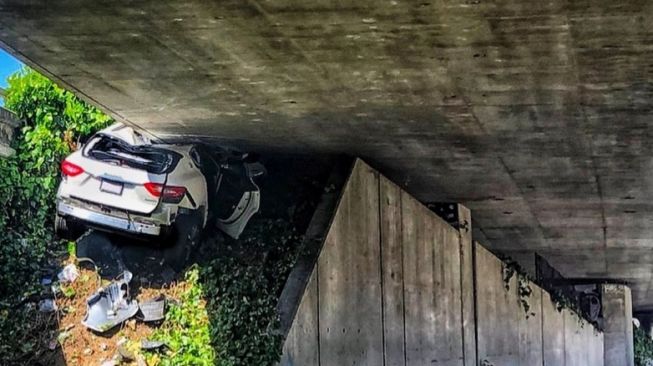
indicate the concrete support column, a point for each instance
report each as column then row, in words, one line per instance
column 618, row 329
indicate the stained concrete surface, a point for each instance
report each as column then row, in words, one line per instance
column 507, row 335
column 618, row 328
column 535, row 115
column 387, row 286
column 8, row 125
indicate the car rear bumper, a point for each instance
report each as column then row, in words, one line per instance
column 98, row 218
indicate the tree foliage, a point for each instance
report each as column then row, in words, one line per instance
column 53, row 121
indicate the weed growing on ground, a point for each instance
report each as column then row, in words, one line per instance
column 186, row 328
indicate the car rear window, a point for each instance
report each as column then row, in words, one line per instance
column 154, row 160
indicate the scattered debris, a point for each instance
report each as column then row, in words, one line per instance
column 74, row 310
column 68, row 274
column 46, row 281
column 152, row 345
column 153, row 310
column 110, row 305
column 129, row 352
column 47, row 306
column 53, row 344
column 126, row 354
column 131, row 324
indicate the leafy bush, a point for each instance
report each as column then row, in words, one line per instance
column 243, row 288
column 643, row 348
column 186, row 329
column 53, row 122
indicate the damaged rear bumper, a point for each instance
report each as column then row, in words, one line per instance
column 90, row 216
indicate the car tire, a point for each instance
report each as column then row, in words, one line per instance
column 183, row 240
column 66, row 229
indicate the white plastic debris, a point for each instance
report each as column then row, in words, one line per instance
column 47, row 305
column 68, row 274
column 110, row 305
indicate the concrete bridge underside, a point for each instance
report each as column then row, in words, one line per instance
column 535, row 115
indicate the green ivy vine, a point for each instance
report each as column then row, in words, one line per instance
column 643, row 346
column 510, row 268
column 53, row 122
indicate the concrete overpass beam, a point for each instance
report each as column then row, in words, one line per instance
column 618, row 331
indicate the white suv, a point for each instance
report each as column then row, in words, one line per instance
column 120, row 182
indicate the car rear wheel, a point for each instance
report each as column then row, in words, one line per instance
column 183, row 240
column 66, row 229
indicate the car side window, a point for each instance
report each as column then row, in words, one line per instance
column 195, row 155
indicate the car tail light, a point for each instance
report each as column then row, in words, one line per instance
column 170, row 194
column 173, row 194
column 154, row 189
column 69, row 169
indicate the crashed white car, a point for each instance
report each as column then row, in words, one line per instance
column 121, row 182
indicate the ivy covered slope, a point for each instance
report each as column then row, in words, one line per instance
column 233, row 291
column 643, row 347
column 53, row 122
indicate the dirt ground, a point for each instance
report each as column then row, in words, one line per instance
column 81, row 346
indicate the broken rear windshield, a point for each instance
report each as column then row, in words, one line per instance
column 151, row 159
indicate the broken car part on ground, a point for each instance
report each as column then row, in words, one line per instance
column 110, row 306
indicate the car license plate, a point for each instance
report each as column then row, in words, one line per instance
column 111, row 187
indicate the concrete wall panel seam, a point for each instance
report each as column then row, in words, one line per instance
column 381, row 274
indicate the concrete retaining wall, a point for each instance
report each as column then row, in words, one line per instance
column 386, row 288
column 396, row 285
column 510, row 336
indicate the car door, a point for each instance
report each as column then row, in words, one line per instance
column 238, row 196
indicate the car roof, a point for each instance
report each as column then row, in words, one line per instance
column 182, row 149
column 125, row 133
column 129, row 135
